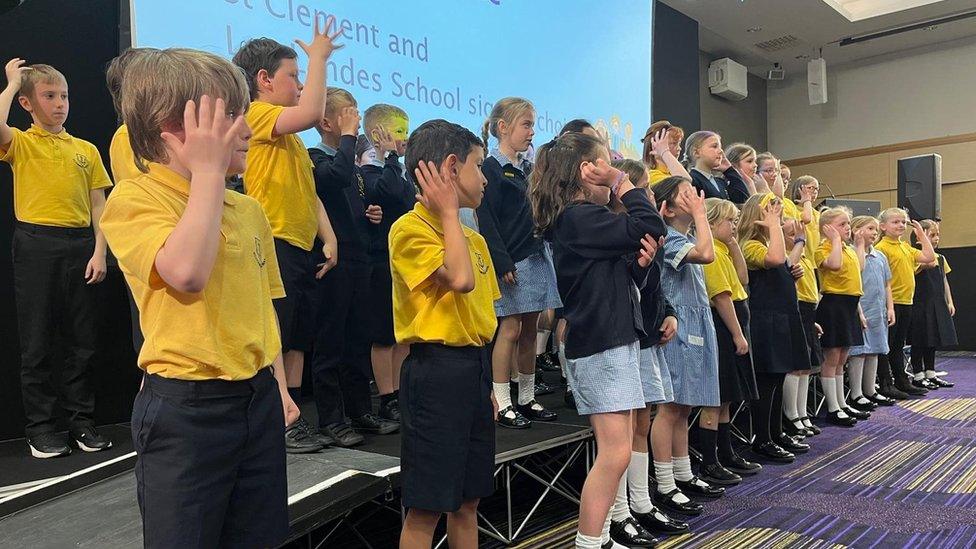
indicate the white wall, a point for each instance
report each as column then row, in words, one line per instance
column 920, row 94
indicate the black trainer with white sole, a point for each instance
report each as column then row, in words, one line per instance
column 89, row 440
column 48, row 445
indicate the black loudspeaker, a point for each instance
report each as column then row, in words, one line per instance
column 920, row 186
column 858, row 207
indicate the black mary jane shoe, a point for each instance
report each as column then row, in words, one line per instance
column 790, row 427
column 635, row 536
column 834, row 418
column 881, row 400
column 660, row 523
column 510, row 418
column 543, row 388
column 770, row 451
column 547, row 363
column 716, row 473
column 925, row 384
column 792, row 445
column 814, row 430
column 700, row 488
column 863, row 404
column 533, row 411
column 856, row 414
column 666, row 501
column 941, row 383
column 741, row 466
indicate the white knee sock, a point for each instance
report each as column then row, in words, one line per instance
column 640, row 497
column 929, row 374
column 919, row 376
column 526, row 388
column 503, row 394
column 830, row 393
column 541, row 338
column 855, row 371
column 664, row 472
column 870, row 375
column 587, row 542
column 802, row 391
column 839, row 386
column 682, row 468
column 790, row 387
column 620, row 510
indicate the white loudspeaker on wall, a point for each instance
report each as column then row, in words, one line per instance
column 728, row 79
column 817, row 81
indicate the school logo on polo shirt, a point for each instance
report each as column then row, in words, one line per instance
column 482, row 266
column 259, row 252
column 82, row 161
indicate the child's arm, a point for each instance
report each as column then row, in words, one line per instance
column 311, row 105
column 336, row 171
column 96, row 269
column 776, row 248
column 889, row 304
column 488, row 227
column 738, row 261
column 791, row 240
column 835, row 259
column 440, row 197
column 928, row 252
column 290, row 409
column 330, row 244
column 704, row 251
column 726, row 310
column 186, row 259
column 860, row 249
column 662, row 149
column 643, row 268
column 15, row 74
column 948, row 292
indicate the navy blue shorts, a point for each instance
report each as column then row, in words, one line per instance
column 295, row 311
column 210, row 465
column 448, row 443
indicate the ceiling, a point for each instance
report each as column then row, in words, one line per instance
column 792, row 31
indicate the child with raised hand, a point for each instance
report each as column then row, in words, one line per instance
column 879, row 313
column 725, row 281
column 779, row 343
column 58, row 255
column 932, row 312
column 742, row 158
column 523, row 262
column 443, row 288
column 903, row 260
column 662, row 148
column 201, row 265
column 692, row 357
column 279, row 177
column 593, row 250
column 839, row 314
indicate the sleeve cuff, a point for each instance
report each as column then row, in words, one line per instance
column 678, row 260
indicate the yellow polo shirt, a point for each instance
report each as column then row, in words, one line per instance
column 54, row 174
column 279, row 177
column 847, row 279
column 755, row 253
column 228, row 331
column 424, row 311
column 657, row 174
column 903, row 260
column 720, row 275
column 806, row 287
column 121, row 160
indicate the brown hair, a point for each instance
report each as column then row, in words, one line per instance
column 507, row 109
column 114, row 73
column 694, row 142
column 336, row 97
column 158, row 84
column 634, row 170
column 648, row 154
column 793, row 189
column 555, row 181
column 40, row 73
column 736, row 152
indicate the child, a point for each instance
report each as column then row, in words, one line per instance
column 903, row 260
column 58, row 254
column 742, row 158
column 443, row 288
column 387, row 187
column 932, row 313
column 779, row 343
column 725, row 279
column 523, row 263
column 703, row 155
column 879, row 313
column 660, row 168
column 201, row 265
column 693, row 357
column 571, row 185
column 838, row 313
column 279, row 177
column 340, row 361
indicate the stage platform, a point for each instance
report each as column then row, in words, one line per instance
column 89, row 500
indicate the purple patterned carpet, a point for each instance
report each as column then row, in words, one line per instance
column 904, row 478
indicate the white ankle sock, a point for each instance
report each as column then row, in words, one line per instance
column 620, row 510
column 640, row 497
column 919, row 376
column 855, row 372
column 790, row 387
column 526, row 388
column 929, row 374
column 802, row 391
column 503, row 394
column 541, row 338
column 682, row 468
column 839, row 386
column 830, row 393
column 870, row 375
column 587, row 542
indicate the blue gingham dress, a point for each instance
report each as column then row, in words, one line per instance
column 536, row 287
column 692, row 356
column 609, row 381
column 874, row 278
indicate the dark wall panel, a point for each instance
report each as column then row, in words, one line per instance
column 674, row 74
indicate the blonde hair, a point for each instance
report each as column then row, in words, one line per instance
column 337, row 97
column 752, row 211
column 886, row 215
column 793, row 189
column 380, row 113
column 719, row 209
column 507, row 109
column 693, row 143
column 40, row 73
column 763, row 157
column 928, row 224
column 648, row 154
column 159, row 83
column 861, row 221
column 634, row 170
column 830, row 214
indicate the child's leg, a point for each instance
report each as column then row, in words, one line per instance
column 839, row 378
column 855, row 374
column 525, row 355
column 614, row 434
column 637, row 470
column 543, row 331
column 897, row 335
column 400, row 353
column 791, row 387
column 762, row 409
column 661, row 440
column 802, row 394
column 827, row 373
column 708, row 433
column 418, row 529
column 918, row 362
column 462, row 526
column 381, row 357
column 870, row 375
column 928, row 361
column 502, row 355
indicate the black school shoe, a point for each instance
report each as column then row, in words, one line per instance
column 741, row 466
column 938, row 381
column 814, row 430
column 698, row 487
column 533, row 411
column 863, row 404
column 834, row 419
column 925, row 384
column 911, row 390
column 300, row 440
column 343, row 435
column 511, row 418
column 370, row 423
column 87, row 439
column 789, row 426
column 546, row 362
column 881, row 400
column 635, row 536
column 543, row 388
column 856, row 414
column 892, row 393
column 792, row 445
column 716, row 473
column 770, row 451
column 391, row 410
column 48, row 445
column 666, row 502
column 660, row 523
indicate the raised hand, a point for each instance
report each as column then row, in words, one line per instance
column 600, row 173
column 323, row 43
column 438, row 192
column 831, row 233
column 384, row 142
column 15, row 70
column 691, row 201
column 210, row 138
column 724, row 165
column 348, row 121
column 918, row 230
column 660, row 143
column 771, row 216
column 648, row 250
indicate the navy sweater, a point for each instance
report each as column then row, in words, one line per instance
column 505, row 217
column 393, row 193
column 596, row 282
column 654, row 305
column 341, row 188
